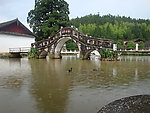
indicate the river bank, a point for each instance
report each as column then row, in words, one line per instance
column 4, row 55
column 135, row 54
column 8, row 55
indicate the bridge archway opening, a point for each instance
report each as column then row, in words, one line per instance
column 61, row 46
column 93, row 55
column 71, row 45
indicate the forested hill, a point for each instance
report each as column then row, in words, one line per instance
column 113, row 27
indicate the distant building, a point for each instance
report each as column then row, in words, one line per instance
column 134, row 40
column 13, row 34
column 147, row 44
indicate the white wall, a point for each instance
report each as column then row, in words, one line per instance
column 12, row 41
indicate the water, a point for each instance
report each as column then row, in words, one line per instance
column 45, row 86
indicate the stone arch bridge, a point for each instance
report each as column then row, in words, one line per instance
column 86, row 44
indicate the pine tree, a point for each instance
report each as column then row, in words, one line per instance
column 47, row 17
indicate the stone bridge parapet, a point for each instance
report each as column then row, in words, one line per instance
column 86, row 44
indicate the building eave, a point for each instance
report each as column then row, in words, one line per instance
column 5, row 24
column 17, row 34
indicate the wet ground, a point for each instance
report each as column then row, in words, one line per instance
column 132, row 104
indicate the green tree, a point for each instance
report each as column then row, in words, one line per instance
column 47, row 17
column 120, row 44
column 141, row 44
column 71, row 45
column 113, row 27
column 131, row 45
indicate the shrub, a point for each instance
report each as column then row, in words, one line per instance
column 131, row 45
column 33, row 53
column 106, row 53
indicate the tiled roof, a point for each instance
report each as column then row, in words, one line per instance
column 5, row 24
column 8, row 23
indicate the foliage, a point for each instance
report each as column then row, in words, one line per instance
column 71, row 45
column 141, row 44
column 106, row 53
column 113, row 27
column 131, row 45
column 33, row 53
column 120, row 44
column 47, row 17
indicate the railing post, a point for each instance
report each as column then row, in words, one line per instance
column 137, row 47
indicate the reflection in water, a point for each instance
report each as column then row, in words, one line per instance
column 45, row 86
column 11, row 73
column 135, row 58
column 136, row 74
column 49, row 86
column 14, row 80
column 114, row 72
column 110, row 74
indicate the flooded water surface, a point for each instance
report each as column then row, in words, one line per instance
column 46, row 86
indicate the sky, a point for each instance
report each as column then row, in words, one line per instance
column 12, row 9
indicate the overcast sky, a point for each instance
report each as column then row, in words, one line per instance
column 11, row 9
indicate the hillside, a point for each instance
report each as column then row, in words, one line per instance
column 113, row 27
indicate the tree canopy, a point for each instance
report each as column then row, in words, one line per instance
column 47, row 17
column 113, row 27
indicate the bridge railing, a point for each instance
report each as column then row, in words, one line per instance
column 76, row 35
column 70, row 52
column 19, row 50
column 133, row 49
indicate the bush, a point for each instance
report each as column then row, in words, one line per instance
column 120, row 44
column 131, row 45
column 108, row 54
column 33, row 53
column 141, row 44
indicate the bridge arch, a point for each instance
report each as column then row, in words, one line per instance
column 92, row 51
column 59, row 46
column 86, row 44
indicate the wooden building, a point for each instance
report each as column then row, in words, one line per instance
column 13, row 34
